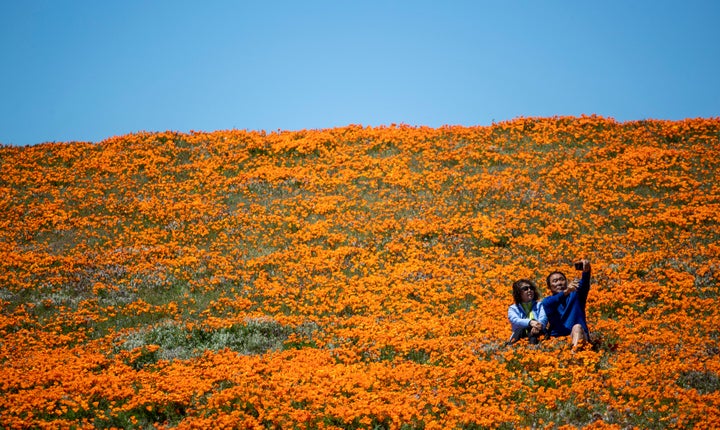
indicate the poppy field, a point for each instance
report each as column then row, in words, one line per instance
column 359, row 277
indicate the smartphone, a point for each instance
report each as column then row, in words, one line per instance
column 579, row 265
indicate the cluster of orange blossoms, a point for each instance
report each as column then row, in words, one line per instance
column 144, row 279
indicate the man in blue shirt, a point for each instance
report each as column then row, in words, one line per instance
column 565, row 308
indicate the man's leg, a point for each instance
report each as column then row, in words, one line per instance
column 578, row 335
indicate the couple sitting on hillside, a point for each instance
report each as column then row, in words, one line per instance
column 561, row 314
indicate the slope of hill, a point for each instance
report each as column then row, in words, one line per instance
column 359, row 277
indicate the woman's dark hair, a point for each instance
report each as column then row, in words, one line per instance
column 517, row 289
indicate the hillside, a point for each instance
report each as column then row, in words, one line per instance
column 360, row 277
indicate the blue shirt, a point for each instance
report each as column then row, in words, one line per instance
column 563, row 312
column 519, row 319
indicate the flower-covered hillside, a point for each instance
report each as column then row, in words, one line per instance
column 359, row 277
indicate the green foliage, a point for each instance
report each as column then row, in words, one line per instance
column 705, row 382
column 177, row 342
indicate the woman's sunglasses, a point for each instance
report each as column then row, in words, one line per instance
column 526, row 288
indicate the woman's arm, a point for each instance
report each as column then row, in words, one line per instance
column 517, row 318
column 542, row 316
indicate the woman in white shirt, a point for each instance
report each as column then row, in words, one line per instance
column 526, row 315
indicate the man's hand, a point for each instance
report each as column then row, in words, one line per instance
column 574, row 284
column 586, row 265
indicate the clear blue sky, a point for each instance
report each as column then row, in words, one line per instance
column 86, row 70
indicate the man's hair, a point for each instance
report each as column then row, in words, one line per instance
column 517, row 292
column 547, row 280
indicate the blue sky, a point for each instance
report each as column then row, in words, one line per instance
column 86, row 70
